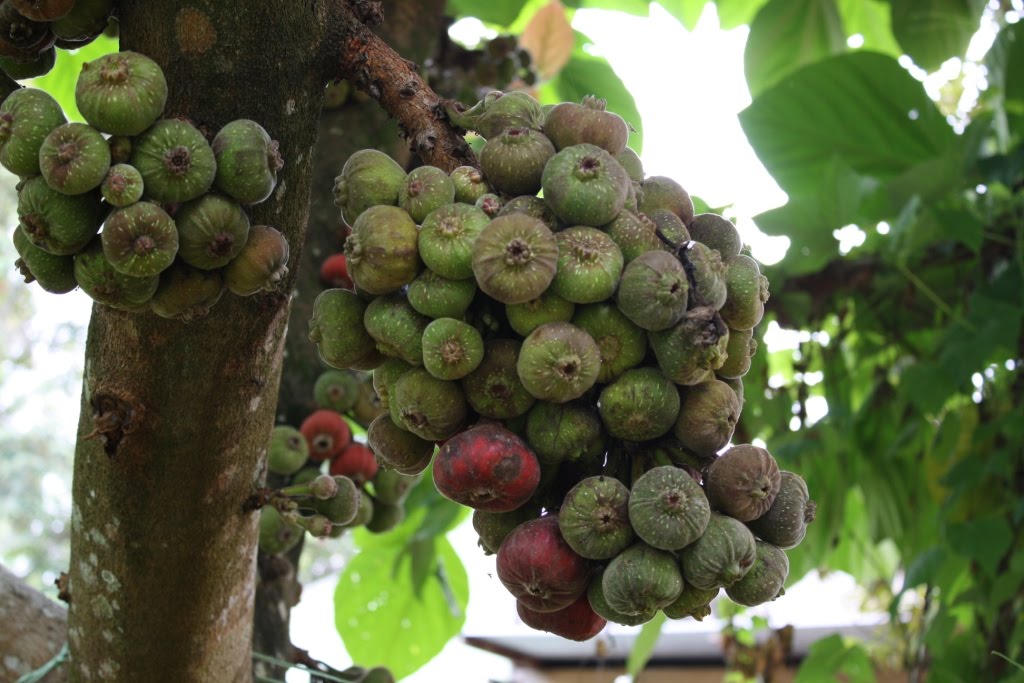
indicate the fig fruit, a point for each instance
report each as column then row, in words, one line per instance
column 451, row 349
column 27, row 116
column 368, row 178
column 546, row 308
column 488, row 468
column 594, row 518
column 558, row 362
column 641, row 580
column 515, row 258
column 743, row 482
column 186, row 293
column 247, row 161
column 494, row 389
column 785, row 523
column 140, row 239
column 572, row 124
column 121, row 93
column 577, row 622
column 539, row 568
column 425, row 189
column 693, row 347
column 74, row 158
column 261, row 265
column 431, row 408
column 176, row 162
column 667, row 508
column 514, row 161
column 708, row 414
column 381, row 251
column 288, row 450
column 212, row 231
column 57, row 223
column 122, row 185
column 717, row 233
column 403, row 451
column 589, row 265
column 654, row 291
column 641, row 404
column 446, row 239
column 721, row 556
column 622, row 345
column 584, row 185
column 337, row 328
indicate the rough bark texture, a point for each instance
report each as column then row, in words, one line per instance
column 162, row 556
column 32, row 629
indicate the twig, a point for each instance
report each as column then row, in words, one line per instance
column 362, row 57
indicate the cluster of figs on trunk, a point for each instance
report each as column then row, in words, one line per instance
column 322, row 447
column 568, row 365
column 170, row 203
column 31, row 31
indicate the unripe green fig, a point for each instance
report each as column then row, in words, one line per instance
column 104, row 284
column 743, row 482
column 693, row 347
column 121, row 93
column 498, row 111
column 765, row 579
column 721, row 556
column 57, row 223
column 660, row 192
column 140, row 239
column 747, row 292
column 594, row 518
column 288, row 450
column 382, row 251
column 514, row 161
column 425, row 188
column 654, row 291
column 396, row 327
column 438, row 297
column 261, row 265
column 186, row 293
column 247, row 161
column 667, row 508
column 708, row 414
column 337, row 328
column 470, row 184
column 547, row 308
column 641, row 580
column 39, row 65
column 369, row 178
column 86, row 20
column 535, row 207
column 558, row 362
column 589, row 265
column 572, row 124
column 122, row 185
column 336, row 390
column 446, row 239
column 717, row 233
column 785, row 522
column 212, row 230
column 584, row 185
column 641, row 404
column 515, row 258
column 27, row 116
column 55, row 274
column 74, row 158
column 277, row 535
column 176, row 162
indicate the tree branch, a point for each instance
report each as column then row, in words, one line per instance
column 32, row 629
column 359, row 55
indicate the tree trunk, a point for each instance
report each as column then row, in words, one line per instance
column 32, row 629
column 175, row 418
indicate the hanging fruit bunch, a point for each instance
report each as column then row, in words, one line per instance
column 175, row 233
column 578, row 359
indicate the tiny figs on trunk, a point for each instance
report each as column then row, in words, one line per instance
column 391, row 486
column 104, row 284
column 490, row 204
column 764, row 582
column 341, row 508
column 785, row 523
column 212, row 230
column 470, row 184
column 641, row 404
column 186, row 293
column 493, row 527
column 451, row 349
column 176, row 162
column 381, row 251
column 747, row 293
column 425, row 189
column 584, row 185
column 515, row 258
column 654, row 291
column 27, row 116
column 55, row 274
column 532, row 206
column 140, row 239
column 687, row 351
column 594, row 518
column 396, row 327
column 122, row 185
column 741, row 348
column 431, row 408
column 743, row 482
column 572, row 124
column 589, row 265
column 247, row 161
column 288, row 450
column 400, row 450
column 660, row 192
column 692, row 602
column 577, row 622
column 368, row 178
column 595, row 596
column 74, row 158
column 494, row 389
column 514, row 161
column 621, row 344
column 564, row 431
column 546, row 308
column 326, row 432
column 708, row 275
column 337, row 328
column 721, row 556
column 336, row 390
column 446, row 239
column 558, row 362
column 634, row 234
column 641, row 580
column 539, row 568
column 487, row 467
column 498, row 111
column 717, row 233
column 707, row 417
column 121, row 93
column 261, row 265
column 277, row 535
column 667, row 508
column 439, row 297
column 57, row 223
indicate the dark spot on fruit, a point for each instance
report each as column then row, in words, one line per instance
column 67, row 152
column 322, row 443
column 143, row 245
column 518, row 252
column 415, row 187
column 178, row 160
column 507, row 468
column 221, row 245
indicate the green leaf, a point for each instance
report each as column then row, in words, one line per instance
column 983, row 540
column 832, row 659
column 862, row 107
column 686, row 11
column 871, row 20
column 60, row 81
column 787, row 34
column 733, row 13
column 589, row 75
column 643, row 646
column 381, row 619
column 640, row 8
column 501, row 12
column 932, row 31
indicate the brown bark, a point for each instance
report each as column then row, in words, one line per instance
column 32, row 629
column 162, row 555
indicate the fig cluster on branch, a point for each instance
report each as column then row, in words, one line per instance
column 563, row 342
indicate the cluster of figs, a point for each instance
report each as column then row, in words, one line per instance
column 31, row 31
column 175, row 233
column 569, row 365
column 334, row 482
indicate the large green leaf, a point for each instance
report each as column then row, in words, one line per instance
column 870, row 19
column 643, row 646
column 787, row 34
column 862, row 107
column 61, row 80
column 1005, row 58
column 932, row 31
column 984, row 541
column 589, row 75
column 733, row 13
column 383, row 621
column 501, row 12
column 832, row 659
column 686, row 11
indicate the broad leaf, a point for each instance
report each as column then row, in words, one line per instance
column 787, row 34
column 384, row 622
column 643, row 646
column 831, row 658
column 862, row 107
column 985, row 541
column 1005, row 58
column 870, row 19
column 733, row 13
column 549, row 39
column 932, row 31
